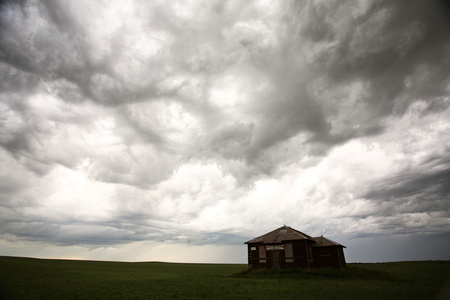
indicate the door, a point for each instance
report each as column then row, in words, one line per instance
column 275, row 260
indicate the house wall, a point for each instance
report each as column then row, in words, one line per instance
column 343, row 263
column 330, row 256
column 283, row 255
column 294, row 254
column 302, row 254
column 253, row 256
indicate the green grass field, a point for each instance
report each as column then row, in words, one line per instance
column 26, row 278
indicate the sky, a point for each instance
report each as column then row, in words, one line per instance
column 178, row 130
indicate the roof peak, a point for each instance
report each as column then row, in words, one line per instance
column 283, row 233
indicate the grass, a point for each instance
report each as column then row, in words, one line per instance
column 26, row 278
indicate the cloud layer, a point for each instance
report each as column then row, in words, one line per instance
column 211, row 122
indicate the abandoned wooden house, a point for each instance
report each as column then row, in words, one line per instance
column 286, row 247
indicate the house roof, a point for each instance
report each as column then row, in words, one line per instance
column 284, row 233
column 324, row 242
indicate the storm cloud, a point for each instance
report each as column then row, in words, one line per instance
column 206, row 123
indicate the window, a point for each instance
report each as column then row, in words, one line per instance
column 262, row 254
column 288, row 253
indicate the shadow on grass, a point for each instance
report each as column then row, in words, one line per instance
column 350, row 273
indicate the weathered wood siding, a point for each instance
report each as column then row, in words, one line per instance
column 330, row 256
column 302, row 253
column 294, row 254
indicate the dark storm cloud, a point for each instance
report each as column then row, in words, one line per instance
column 125, row 229
column 396, row 52
column 70, row 234
column 424, row 189
column 45, row 39
column 231, row 139
column 383, row 46
column 32, row 44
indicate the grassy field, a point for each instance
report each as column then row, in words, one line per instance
column 26, row 278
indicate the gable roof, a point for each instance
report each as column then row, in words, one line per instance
column 284, row 233
column 324, row 242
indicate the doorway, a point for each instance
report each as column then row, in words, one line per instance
column 275, row 260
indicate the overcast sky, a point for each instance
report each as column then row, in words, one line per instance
column 177, row 130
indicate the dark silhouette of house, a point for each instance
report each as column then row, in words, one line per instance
column 286, row 247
